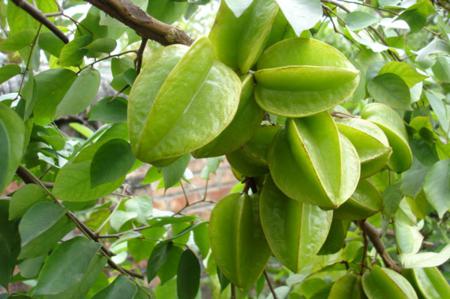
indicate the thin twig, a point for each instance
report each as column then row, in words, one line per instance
column 186, row 198
column 269, row 284
column 27, row 66
column 99, row 229
column 106, row 58
column 29, row 178
column 40, row 17
column 370, row 6
column 62, row 14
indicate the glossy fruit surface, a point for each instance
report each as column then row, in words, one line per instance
column 299, row 77
column 428, row 282
column 238, row 41
column 251, row 159
column 392, row 125
column 237, row 241
column 364, row 202
column 382, row 283
column 348, row 287
column 294, row 230
column 369, row 141
column 247, row 119
column 180, row 101
column 312, row 162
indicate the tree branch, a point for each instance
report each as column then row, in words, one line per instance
column 40, row 17
column 139, row 56
column 144, row 25
column 374, row 237
column 29, row 178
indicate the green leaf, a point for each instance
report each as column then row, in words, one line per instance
column 188, row 275
column 407, row 231
column 50, row 87
column 109, row 110
column 174, row 172
column 72, row 53
column 24, row 198
column 390, row 89
column 122, row 287
column 50, row 43
column 157, row 259
column 442, row 110
column 30, row 268
column 12, row 141
column 9, row 244
column 357, row 20
column 8, row 71
column 238, row 6
column 416, row 15
column 169, row 269
column 81, row 94
column 425, row 259
column 42, row 226
column 405, row 71
column 301, row 14
column 211, row 167
column 167, row 11
column 112, row 161
column 441, row 69
column 103, row 45
column 391, row 198
column 142, row 206
column 201, row 239
column 82, row 129
column 17, row 41
column 437, row 187
column 19, row 19
column 413, row 178
column 70, row 270
column 73, row 183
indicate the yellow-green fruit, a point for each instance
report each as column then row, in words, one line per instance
column 347, row 287
column 364, row 202
column 294, row 230
column 336, row 236
column 300, row 76
column 247, row 119
column 182, row 99
column 429, row 283
column 239, row 41
column 251, row 159
column 237, row 241
column 382, row 283
column 312, row 162
column 392, row 125
column 369, row 141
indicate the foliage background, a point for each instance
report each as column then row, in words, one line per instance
column 372, row 34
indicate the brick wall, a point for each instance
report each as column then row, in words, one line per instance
column 174, row 199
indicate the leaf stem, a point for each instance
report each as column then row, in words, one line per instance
column 29, row 178
column 269, row 284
